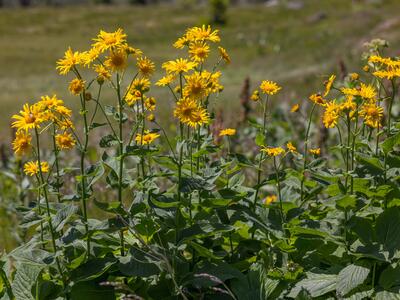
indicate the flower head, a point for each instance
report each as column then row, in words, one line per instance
column 146, row 66
column 224, row 55
column 107, row 40
column 273, row 151
column 31, row 168
column 76, row 86
column 295, row 108
column 147, row 137
column 317, row 99
column 315, row 151
column 178, row 66
column 70, row 59
column 198, row 51
column 291, row 148
column 328, row 85
column 269, row 87
column 29, row 117
column 117, row 60
column 22, row 143
column 227, row 131
column 65, row 141
column 166, row 80
column 270, row 199
column 372, row 114
column 331, row 114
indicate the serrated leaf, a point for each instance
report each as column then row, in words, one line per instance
column 387, row 229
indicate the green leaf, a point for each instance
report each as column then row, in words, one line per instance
column 25, row 279
column 316, row 284
column 388, row 228
column 390, row 143
column 108, row 141
column 92, row 269
column 260, row 139
column 137, row 264
column 203, row 251
column 390, row 277
column 388, row 295
column 351, row 277
column 346, row 202
column 90, row 290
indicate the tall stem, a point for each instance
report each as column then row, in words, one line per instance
column 306, row 153
column 43, row 186
column 82, row 169
column 56, row 151
column 121, row 156
column 278, row 183
column 390, row 107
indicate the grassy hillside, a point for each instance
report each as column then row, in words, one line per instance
column 292, row 47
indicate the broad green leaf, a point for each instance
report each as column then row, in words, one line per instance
column 137, row 264
column 90, row 290
column 388, row 228
column 25, row 279
column 346, row 202
column 92, row 269
column 316, row 284
column 351, row 277
column 108, row 141
column 390, row 277
column 389, row 143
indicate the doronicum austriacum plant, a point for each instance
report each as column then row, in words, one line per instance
column 279, row 207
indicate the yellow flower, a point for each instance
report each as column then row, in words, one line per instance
column 76, row 86
column 212, row 80
column 146, row 66
column 315, row 151
column 328, row 85
column 372, row 114
column 178, row 66
column 270, row 199
column 188, row 112
column 166, row 80
column 387, row 74
column 65, row 141
column 367, row 91
column 147, row 138
column 116, row 61
column 22, row 143
column 203, row 34
column 195, row 87
column 255, row 96
column 331, row 114
column 273, row 151
column 354, row 76
column 151, row 117
column 102, row 72
column 30, row 117
column 150, row 103
column 317, row 99
column 350, row 91
column 366, row 68
column 227, row 131
column 49, row 103
column 130, row 50
column 107, row 40
column 349, row 106
column 199, row 51
column 295, row 108
column 70, row 59
column 31, row 168
column 181, row 42
column 90, row 56
column 224, row 55
column 269, row 87
column 184, row 109
column 140, row 84
column 199, row 117
column 291, row 147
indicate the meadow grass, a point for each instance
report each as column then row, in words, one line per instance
column 292, row 46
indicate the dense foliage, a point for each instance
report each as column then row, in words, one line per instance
column 300, row 204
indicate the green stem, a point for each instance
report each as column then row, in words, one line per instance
column 83, row 175
column 390, row 107
column 121, row 157
column 56, row 151
column 306, row 153
column 43, row 185
column 278, row 182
